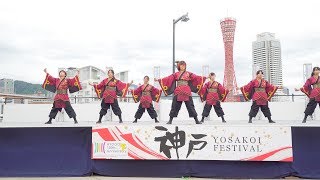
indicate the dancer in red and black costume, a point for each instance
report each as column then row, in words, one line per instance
column 312, row 89
column 145, row 94
column 260, row 91
column 212, row 93
column 60, row 86
column 108, row 90
column 181, row 84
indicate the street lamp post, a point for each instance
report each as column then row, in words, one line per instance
column 183, row 18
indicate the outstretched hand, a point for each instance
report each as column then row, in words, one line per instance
column 91, row 84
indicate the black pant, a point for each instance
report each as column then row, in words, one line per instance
column 311, row 107
column 255, row 108
column 69, row 110
column 115, row 107
column 217, row 109
column 176, row 106
column 152, row 113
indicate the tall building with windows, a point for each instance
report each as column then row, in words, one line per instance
column 266, row 55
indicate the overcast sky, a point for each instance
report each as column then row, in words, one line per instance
column 136, row 35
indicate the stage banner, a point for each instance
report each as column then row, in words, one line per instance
column 192, row 142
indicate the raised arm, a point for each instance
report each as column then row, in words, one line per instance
column 271, row 89
column 246, row 90
column 49, row 77
column 202, row 93
column 98, row 86
column 74, row 84
column 223, row 92
column 156, row 94
column 122, row 88
column 167, row 84
column 136, row 94
column 197, row 82
column 49, row 83
column 306, row 88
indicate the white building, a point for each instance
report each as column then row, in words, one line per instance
column 88, row 74
column 307, row 70
column 266, row 55
column 91, row 74
column 122, row 76
column 7, row 86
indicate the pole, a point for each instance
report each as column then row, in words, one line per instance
column 173, row 48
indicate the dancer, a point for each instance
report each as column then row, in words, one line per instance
column 260, row 91
column 312, row 89
column 213, row 92
column 108, row 90
column 60, row 86
column 181, row 84
column 146, row 93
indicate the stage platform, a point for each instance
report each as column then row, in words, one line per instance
column 64, row 149
column 243, row 123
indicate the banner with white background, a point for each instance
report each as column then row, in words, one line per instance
column 192, row 142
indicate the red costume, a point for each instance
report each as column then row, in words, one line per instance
column 146, row 94
column 212, row 92
column 187, row 82
column 312, row 92
column 181, row 84
column 109, row 89
column 312, row 89
column 259, row 91
column 60, row 87
column 61, row 98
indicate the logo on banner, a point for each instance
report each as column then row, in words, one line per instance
column 110, row 149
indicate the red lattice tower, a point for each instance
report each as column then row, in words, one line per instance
column 228, row 26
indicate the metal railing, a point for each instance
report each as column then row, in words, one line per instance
column 291, row 98
column 90, row 99
column 129, row 99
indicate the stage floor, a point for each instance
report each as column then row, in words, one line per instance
column 311, row 123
